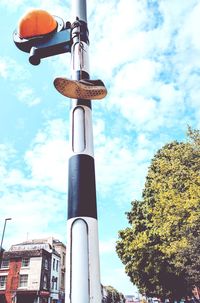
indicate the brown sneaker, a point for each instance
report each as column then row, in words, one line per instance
column 81, row 89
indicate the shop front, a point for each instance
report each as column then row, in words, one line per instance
column 2, row 298
column 44, row 296
column 54, row 298
column 61, row 297
column 27, row 296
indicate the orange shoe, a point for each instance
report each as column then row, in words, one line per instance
column 81, row 89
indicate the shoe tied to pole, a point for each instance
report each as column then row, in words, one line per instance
column 81, row 89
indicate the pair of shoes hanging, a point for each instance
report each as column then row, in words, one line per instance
column 81, row 89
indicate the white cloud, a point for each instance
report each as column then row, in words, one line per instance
column 55, row 7
column 3, row 68
column 120, row 168
column 12, row 5
column 147, row 65
column 120, row 281
column 189, row 31
column 34, row 195
column 26, row 95
column 111, row 42
column 47, row 159
column 11, row 70
column 107, row 246
column 135, row 76
column 31, row 212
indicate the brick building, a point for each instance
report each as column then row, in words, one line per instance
column 30, row 273
column 25, row 276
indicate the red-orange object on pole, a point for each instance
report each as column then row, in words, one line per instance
column 35, row 23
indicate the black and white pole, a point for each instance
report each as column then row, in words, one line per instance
column 82, row 272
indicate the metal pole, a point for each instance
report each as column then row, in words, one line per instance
column 83, row 271
column 1, row 245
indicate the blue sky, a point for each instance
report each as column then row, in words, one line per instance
column 148, row 54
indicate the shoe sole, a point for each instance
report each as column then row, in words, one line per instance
column 76, row 90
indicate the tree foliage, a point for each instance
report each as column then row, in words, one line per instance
column 113, row 296
column 159, row 249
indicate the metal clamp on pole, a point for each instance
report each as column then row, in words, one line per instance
column 79, row 29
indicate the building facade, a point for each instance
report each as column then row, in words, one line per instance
column 30, row 273
column 25, row 276
column 55, row 281
column 61, row 249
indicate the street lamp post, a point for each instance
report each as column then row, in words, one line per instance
column 1, row 245
column 83, row 272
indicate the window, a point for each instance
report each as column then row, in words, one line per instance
column 54, row 263
column 25, row 262
column 3, row 280
column 63, row 260
column 45, row 282
column 5, row 264
column 54, row 283
column 63, row 280
column 57, row 265
column 46, row 265
column 23, row 281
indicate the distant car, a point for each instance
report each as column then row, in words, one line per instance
column 153, row 300
column 131, row 299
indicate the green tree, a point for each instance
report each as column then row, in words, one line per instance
column 190, row 258
column 113, row 296
column 155, row 248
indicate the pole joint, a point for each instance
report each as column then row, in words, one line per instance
column 79, row 30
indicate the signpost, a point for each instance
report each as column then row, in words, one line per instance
column 82, row 268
